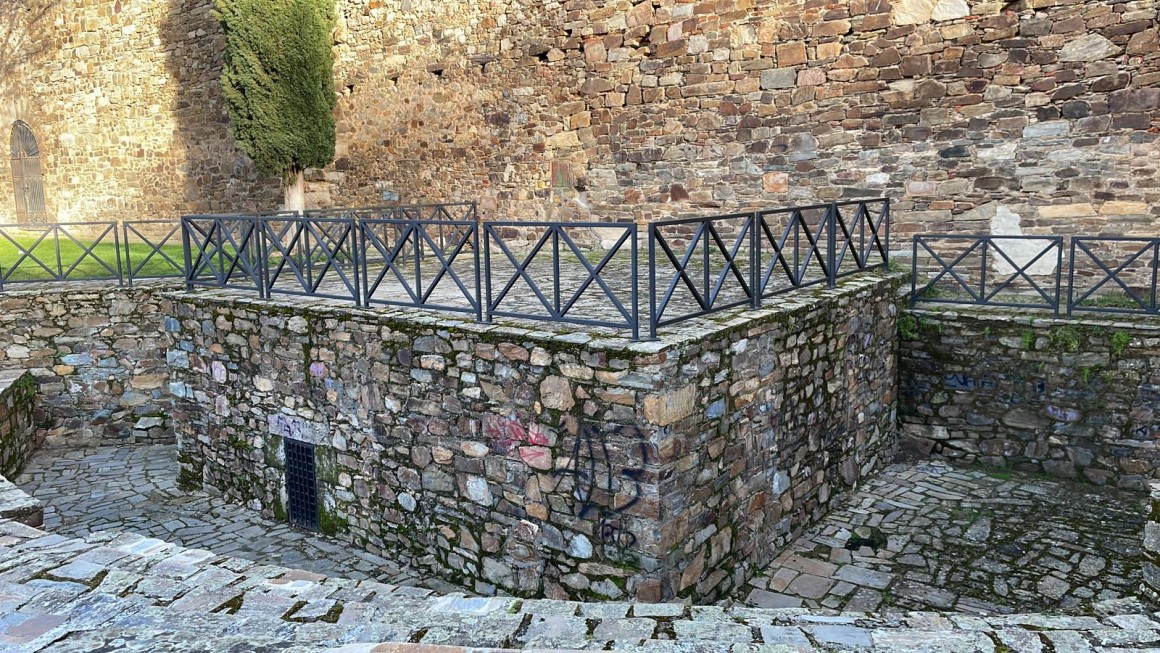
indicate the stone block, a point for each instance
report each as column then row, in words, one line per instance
column 671, row 407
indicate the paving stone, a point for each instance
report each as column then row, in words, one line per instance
column 70, row 481
column 923, row 536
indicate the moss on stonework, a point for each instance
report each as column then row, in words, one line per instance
column 1120, row 343
column 1066, row 339
column 908, row 327
column 330, row 523
column 1028, row 339
column 279, row 510
column 326, row 465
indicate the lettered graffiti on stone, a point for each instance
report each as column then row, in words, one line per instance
column 602, row 490
column 292, row 427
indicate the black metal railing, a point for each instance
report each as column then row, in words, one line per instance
column 442, row 257
column 1113, row 275
column 727, row 261
column 225, row 251
column 90, row 251
column 1103, row 274
column 594, row 298
column 427, row 262
column 310, row 256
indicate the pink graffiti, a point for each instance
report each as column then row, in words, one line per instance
column 507, row 433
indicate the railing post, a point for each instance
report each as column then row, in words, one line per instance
column 983, row 272
column 355, row 256
column 832, row 245
column 1059, row 276
column 362, row 267
column 652, row 282
column 1071, row 277
column 888, row 224
column 914, row 270
column 56, row 243
column 1155, row 270
column 185, row 246
column 128, row 253
column 263, row 259
column 755, row 258
column 117, row 247
column 636, row 285
column 487, row 272
column 475, row 250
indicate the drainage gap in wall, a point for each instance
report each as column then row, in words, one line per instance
column 300, row 484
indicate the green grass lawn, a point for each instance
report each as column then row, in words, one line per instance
column 14, row 266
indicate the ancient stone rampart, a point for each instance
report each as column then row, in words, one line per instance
column 975, row 116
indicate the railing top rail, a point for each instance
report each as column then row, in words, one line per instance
column 871, row 200
column 1126, row 239
column 981, row 237
column 539, row 224
column 309, row 220
column 45, row 227
column 433, row 223
column 711, row 218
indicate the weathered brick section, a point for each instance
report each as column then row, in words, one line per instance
column 1069, row 397
column 975, row 115
column 97, row 353
column 562, row 465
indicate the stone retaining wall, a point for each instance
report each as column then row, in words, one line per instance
column 19, row 437
column 1150, row 587
column 1068, row 397
column 97, row 353
column 565, row 465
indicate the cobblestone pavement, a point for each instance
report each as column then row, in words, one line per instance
column 124, row 592
column 928, row 537
column 133, row 489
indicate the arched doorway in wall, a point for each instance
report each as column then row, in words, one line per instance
column 26, row 175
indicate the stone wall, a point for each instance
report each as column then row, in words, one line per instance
column 19, row 437
column 975, row 115
column 1068, row 397
column 97, row 353
column 566, row 464
column 1150, row 587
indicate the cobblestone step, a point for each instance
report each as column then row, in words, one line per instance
column 115, row 591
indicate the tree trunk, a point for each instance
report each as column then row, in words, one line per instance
column 295, row 198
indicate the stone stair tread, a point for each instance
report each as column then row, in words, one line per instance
column 144, row 594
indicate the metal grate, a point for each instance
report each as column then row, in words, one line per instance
column 300, row 484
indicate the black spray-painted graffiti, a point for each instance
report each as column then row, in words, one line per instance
column 601, row 490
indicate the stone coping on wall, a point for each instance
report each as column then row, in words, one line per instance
column 782, row 306
column 1042, row 318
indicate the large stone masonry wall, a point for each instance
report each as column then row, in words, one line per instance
column 975, row 115
column 97, row 353
column 562, row 465
column 1078, row 398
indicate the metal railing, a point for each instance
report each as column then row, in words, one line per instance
column 584, row 273
column 90, row 251
column 743, row 258
column 394, row 253
column 1103, row 274
column 576, row 304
